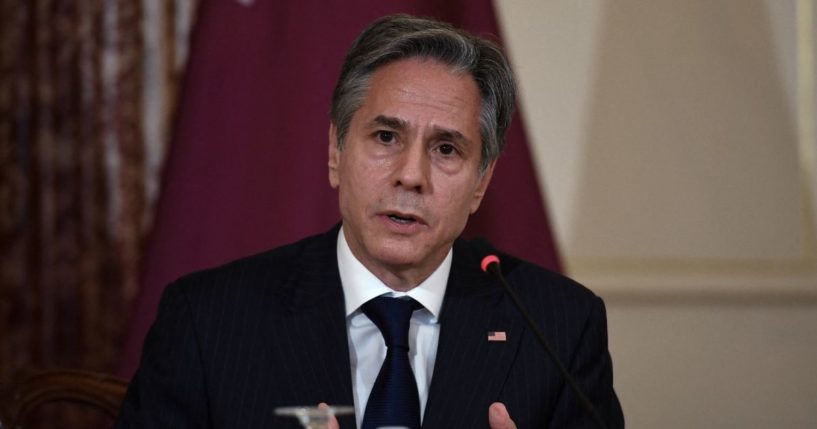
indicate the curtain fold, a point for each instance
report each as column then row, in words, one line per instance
column 82, row 141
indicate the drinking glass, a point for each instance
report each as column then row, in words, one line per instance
column 314, row 417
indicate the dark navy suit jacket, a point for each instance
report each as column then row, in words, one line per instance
column 231, row 344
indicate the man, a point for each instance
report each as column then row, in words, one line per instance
column 418, row 120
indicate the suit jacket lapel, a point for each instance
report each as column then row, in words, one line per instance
column 470, row 370
column 317, row 307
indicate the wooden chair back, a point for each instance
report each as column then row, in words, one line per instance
column 29, row 389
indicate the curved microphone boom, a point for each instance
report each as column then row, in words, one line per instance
column 490, row 264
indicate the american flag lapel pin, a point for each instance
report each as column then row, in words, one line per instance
column 497, row 336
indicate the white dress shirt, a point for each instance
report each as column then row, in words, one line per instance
column 367, row 348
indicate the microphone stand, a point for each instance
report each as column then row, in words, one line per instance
column 491, row 264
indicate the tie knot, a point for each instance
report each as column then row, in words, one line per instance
column 392, row 316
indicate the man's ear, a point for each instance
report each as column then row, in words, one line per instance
column 482, row 185
column 334, row 156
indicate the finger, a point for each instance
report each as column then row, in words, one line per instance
column 498, row 417
column 333, row 422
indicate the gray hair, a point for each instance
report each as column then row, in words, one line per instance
column 396, row 37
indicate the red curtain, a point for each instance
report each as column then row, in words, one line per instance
column 247, row 166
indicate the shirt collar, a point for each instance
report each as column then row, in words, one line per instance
column 360, row 285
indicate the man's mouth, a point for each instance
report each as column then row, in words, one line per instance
column 405, row 220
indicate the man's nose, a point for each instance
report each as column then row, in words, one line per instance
column 414, row 168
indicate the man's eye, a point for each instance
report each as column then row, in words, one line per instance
column 385, row 136
column 447, row 149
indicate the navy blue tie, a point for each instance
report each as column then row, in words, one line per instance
column 394, row 400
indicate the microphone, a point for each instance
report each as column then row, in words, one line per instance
column 490, row 264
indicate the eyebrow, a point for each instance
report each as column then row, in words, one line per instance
column 400, row 125
column 391, row 122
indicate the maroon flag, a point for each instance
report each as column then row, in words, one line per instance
column 247, row 168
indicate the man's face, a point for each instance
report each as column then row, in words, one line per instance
column 408, row 176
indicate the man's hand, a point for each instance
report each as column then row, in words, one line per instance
column 333, row 421
column 498, row 417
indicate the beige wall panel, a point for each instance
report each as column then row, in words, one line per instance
column 666, row 134
column 715, row 365
column 673, row 145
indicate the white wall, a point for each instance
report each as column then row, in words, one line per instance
column 675, row 143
